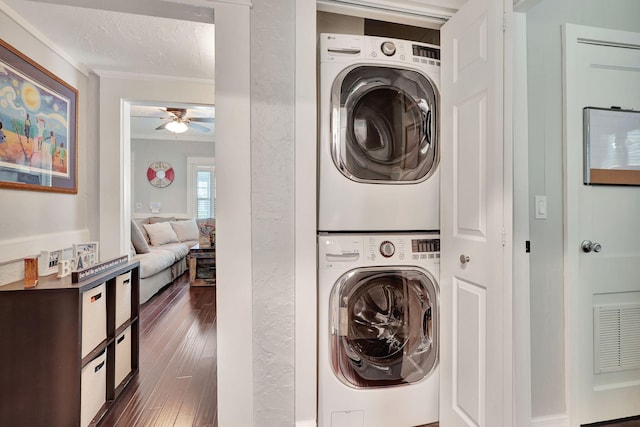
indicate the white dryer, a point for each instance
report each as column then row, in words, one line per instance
column 378, row 329
column 379, row 146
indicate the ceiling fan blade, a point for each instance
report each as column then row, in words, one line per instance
column 161, row 126
column 198, row 127
column 202, row 119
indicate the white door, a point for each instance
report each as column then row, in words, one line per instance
column 476, row 346
column 602, row 68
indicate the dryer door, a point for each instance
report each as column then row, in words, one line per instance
column 384, row 329
column 384, row 125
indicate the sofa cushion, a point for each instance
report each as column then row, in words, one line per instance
column 185, row 230
column 138, row 239
column 179, row 250
column 154, row 262
column 160, row 233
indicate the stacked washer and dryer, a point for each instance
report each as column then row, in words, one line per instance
column 378, row 232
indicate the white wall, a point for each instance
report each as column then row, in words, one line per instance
column 272, row 201
column 33, row 221
column 545, row 178
column 174, row 197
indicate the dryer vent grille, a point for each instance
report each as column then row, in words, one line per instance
column 616, row 337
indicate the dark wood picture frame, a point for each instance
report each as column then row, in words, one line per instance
column 39, row 116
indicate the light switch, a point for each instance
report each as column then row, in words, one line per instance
column 541, row 207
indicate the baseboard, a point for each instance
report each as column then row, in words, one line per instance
column 559, row 420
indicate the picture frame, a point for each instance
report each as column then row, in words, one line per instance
column 38, row 133
column 85, row 255
column 48, row 261
column 611, row 146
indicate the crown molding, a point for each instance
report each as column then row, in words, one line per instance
column 110, row 74
column 18, row 19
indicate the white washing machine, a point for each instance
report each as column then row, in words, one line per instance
column 378, row 329
column 379, row 146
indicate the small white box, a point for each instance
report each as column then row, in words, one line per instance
column 93, row 390
column 123, row 356
column 123, row 298
column 94, row 318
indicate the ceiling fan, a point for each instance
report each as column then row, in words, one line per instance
column 178, row 122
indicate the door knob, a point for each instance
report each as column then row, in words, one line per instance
column 589, row 246
column 464, row 259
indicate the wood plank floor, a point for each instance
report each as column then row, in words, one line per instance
column 176, row 385
column 629, row 422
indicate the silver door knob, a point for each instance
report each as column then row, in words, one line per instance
column 589, row 246
column 464, row 259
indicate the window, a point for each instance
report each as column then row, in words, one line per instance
column 205, row 192
column 201, row 187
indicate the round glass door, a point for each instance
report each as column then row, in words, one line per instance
column 387, row 130
column 384, row 327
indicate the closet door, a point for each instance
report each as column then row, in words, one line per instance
column 476, row 342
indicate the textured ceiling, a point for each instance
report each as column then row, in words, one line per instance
column 104, row 40
column 114, row 41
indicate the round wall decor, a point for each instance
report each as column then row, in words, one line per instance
column 160, row 174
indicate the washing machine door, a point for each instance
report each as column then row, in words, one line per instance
column 384, row 326
column 384, row 125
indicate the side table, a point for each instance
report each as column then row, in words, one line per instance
column 202, row 266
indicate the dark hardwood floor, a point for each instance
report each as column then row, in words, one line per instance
column 176, row 385
column 628, row 422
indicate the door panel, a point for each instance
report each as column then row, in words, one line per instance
column 473, row 346
column 469, row 351
column 470, row 180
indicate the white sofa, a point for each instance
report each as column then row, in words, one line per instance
column 162, row 251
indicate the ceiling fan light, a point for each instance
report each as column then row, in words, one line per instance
column 176, row 126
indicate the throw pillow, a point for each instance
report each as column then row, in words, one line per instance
column 160, row 233
column 138, row 240
column 186, row 230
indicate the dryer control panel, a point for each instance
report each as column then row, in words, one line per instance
column 346, row 47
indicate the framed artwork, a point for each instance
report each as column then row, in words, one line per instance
column 38, row 126
column 85, row 255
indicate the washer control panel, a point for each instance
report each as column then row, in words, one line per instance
column 402, row 248
column 340, row 251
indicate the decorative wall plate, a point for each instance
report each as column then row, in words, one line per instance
column 160, row 174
